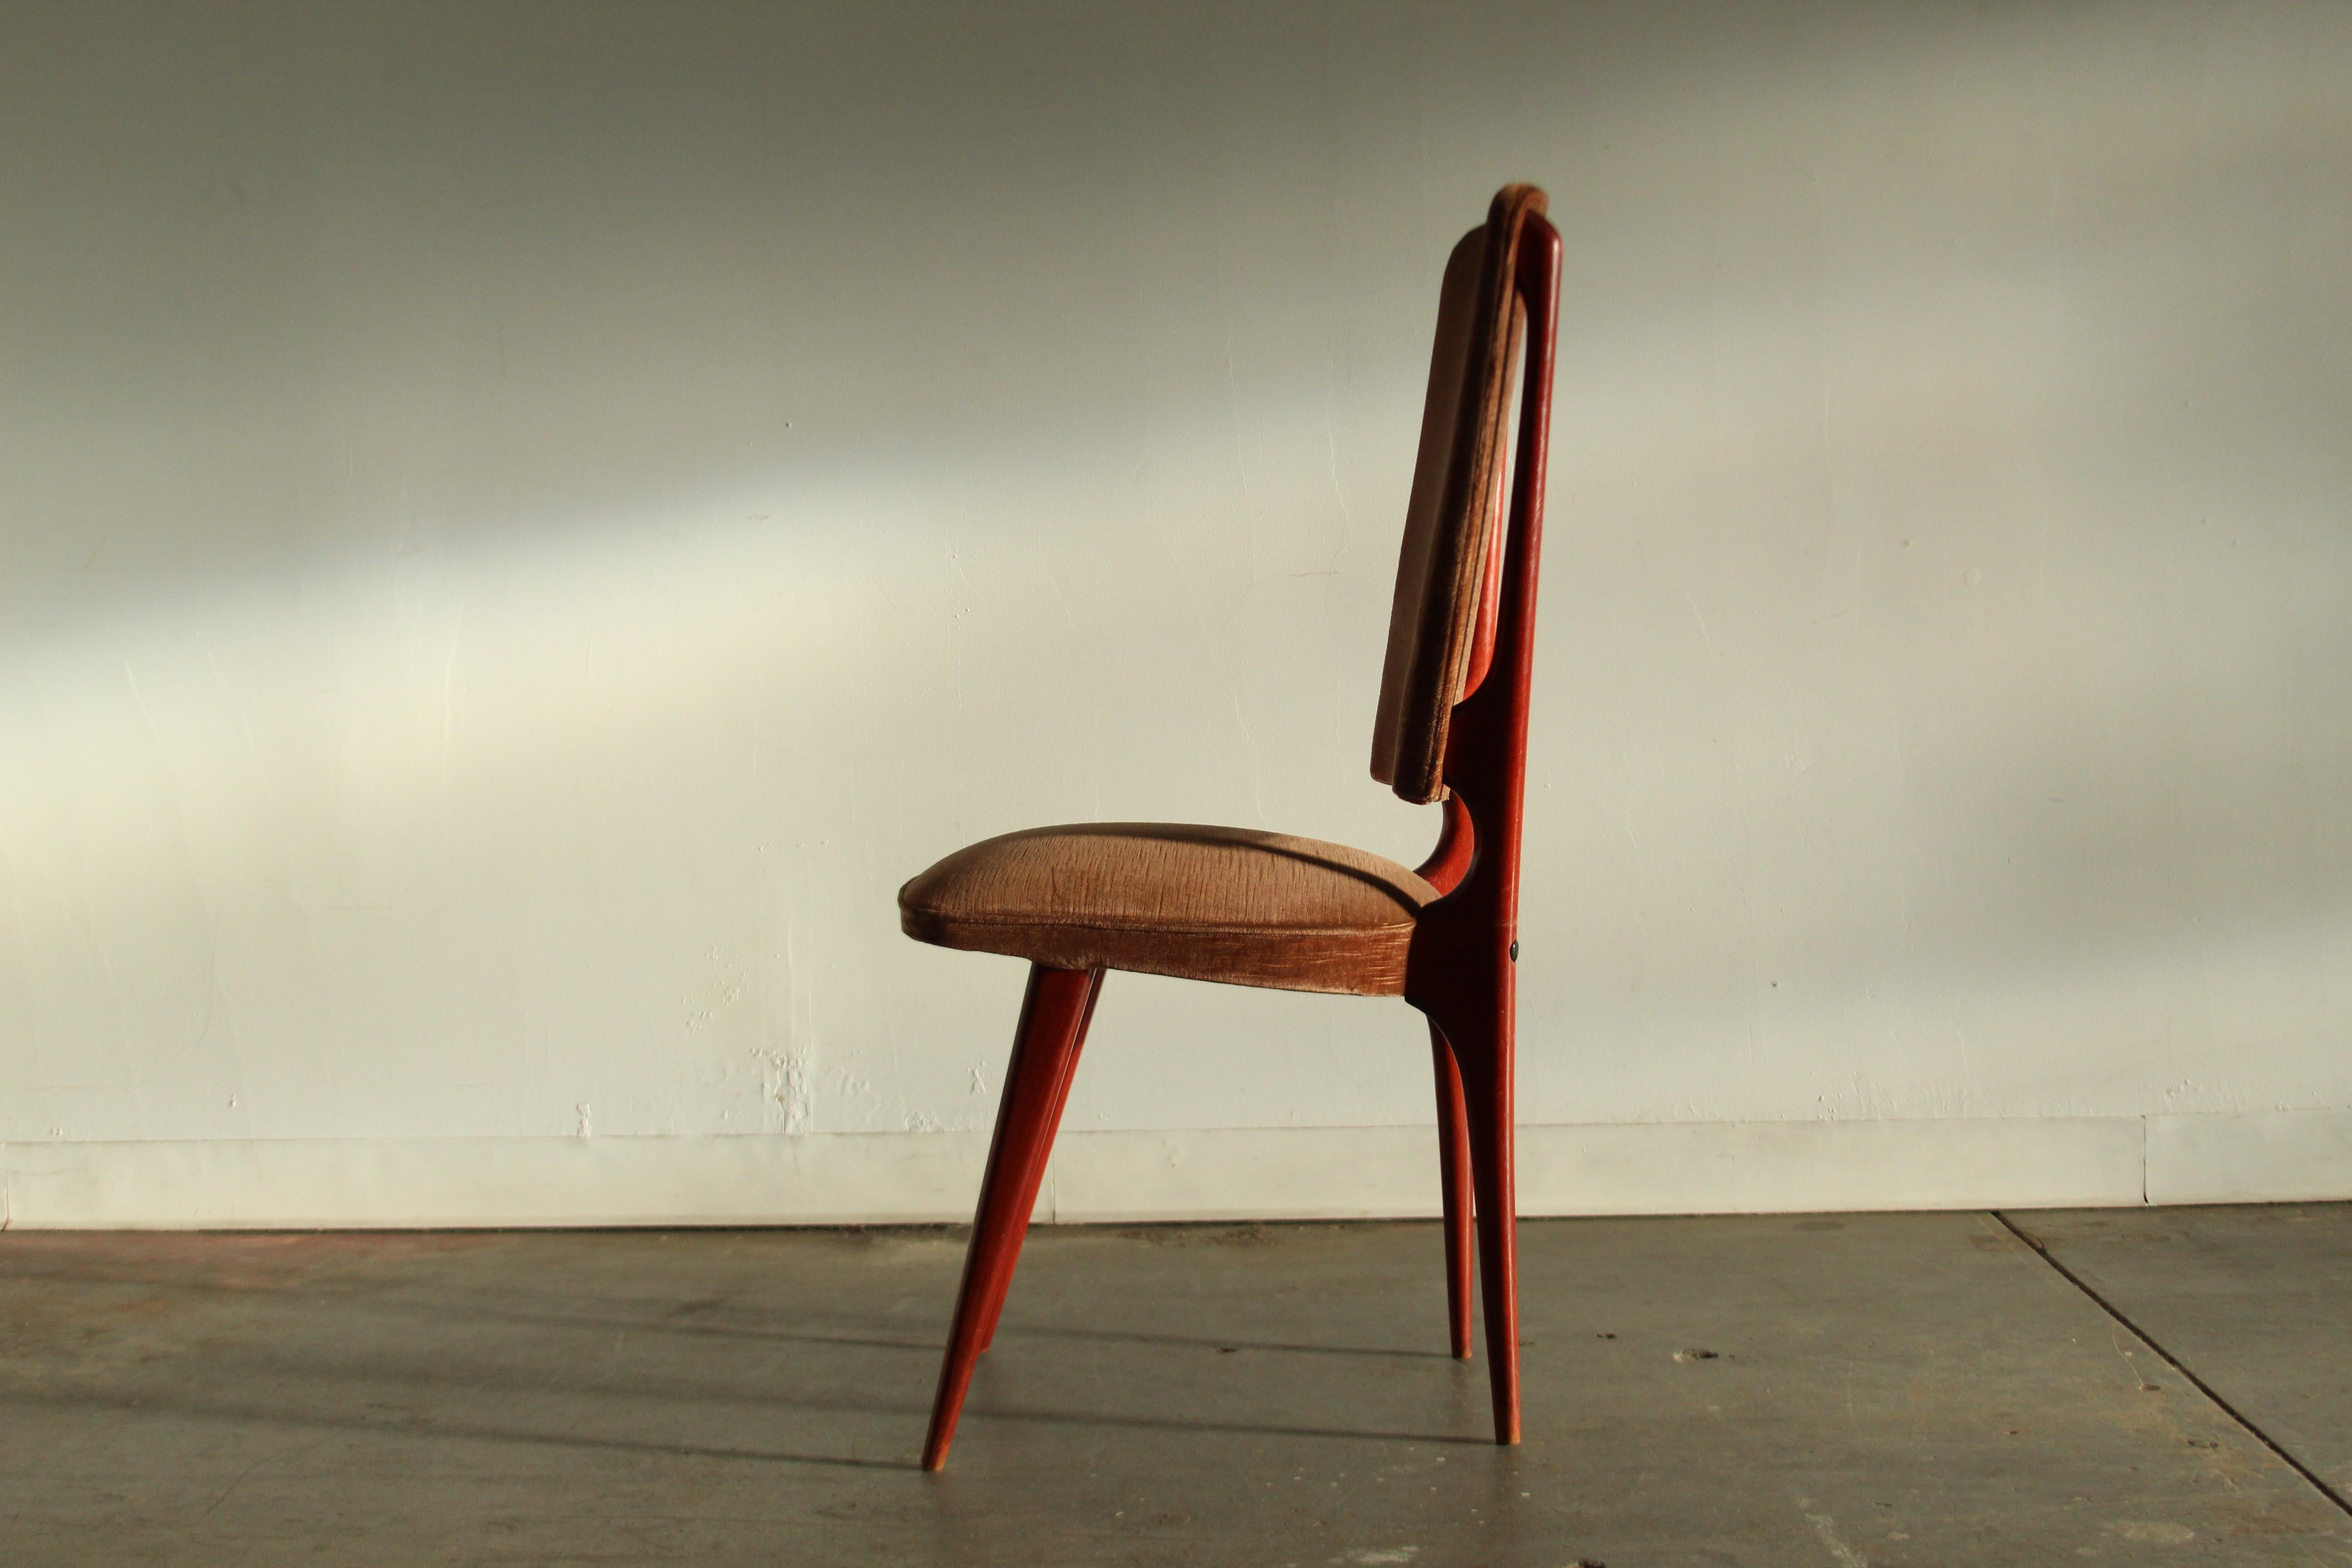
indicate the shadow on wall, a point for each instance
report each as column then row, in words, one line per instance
column 523, row 523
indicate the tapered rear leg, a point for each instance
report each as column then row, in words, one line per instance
column 1045, row 1050
column 1484, row 1056
column 1027, row 1204
column 1453, row 1167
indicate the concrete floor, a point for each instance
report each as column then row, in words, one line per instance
column 1847, row 1391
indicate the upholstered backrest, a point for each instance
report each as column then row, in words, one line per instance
column 1450, row 530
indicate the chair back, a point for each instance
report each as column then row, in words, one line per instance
column 1442, row 622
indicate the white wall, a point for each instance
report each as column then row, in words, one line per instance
column 521, row 525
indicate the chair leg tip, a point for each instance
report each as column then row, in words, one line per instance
column 936, row 1444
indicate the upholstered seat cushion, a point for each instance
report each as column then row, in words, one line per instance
column 1230, row 904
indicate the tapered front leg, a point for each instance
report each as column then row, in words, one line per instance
column 1053, row 1015
column 1026, row 1203
column 1454, row 1168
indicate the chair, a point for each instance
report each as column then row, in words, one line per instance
column 1248, row 908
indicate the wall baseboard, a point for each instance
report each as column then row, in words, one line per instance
column 1347, row 1172
column 2255, row 1157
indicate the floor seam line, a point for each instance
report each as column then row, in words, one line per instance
column 2318, row 1483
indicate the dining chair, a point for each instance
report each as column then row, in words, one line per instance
column 1250, row 908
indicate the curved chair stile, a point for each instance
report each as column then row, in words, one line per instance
column 1243, row 907
column 1463, row 971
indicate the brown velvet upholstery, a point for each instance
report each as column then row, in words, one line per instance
column 1228, row 904
column 1450, row 519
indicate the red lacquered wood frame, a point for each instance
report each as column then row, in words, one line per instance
column 1460, row 971
column 1463, row 969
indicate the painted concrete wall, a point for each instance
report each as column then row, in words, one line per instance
column 519, row 525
